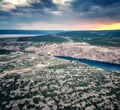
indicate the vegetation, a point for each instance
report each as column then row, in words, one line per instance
column 62, row 85
column 43, row 38
column 4, row 51
column 103, row 38
column 32, row 81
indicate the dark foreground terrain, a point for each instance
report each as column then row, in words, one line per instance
column 32, row 78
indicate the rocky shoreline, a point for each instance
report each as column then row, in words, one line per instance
column 80, row 50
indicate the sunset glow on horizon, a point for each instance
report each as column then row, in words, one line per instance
column 115, row 26
column 60, row 14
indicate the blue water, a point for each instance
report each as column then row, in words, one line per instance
column 28, row 31
column 17, row 35
column 25, row 33
column 98, row 64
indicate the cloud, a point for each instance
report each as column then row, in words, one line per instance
column 69, row 13
column 44, row 26
column 16, row 2
column 8, row 5
column 90, row 9
column 56, row 12
column 57, row 26
column 61, row 2
column 53, row 12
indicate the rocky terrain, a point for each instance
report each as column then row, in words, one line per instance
column 37, row 81
column 80, row 50
column 32, row 78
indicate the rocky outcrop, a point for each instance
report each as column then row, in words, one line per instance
column 80, row 50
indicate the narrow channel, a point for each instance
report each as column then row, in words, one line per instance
column 98, row 64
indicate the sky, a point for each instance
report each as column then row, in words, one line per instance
column 60, row 14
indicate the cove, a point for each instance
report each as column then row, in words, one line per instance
column 98, row 64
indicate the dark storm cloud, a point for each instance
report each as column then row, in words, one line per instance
column 15, row 12
column 29, row 6
column 90, row 9
column 44, row 4
column 81, row 8
column 28, row 11
column 105, row 2
column 85, row 5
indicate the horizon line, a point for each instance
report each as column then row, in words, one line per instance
column 59, row 30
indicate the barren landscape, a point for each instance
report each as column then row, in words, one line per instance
column 32, row 77
column 43, row 82
column 80, row 50
column 59, row 54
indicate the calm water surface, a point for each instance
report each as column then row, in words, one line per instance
column 98, row 64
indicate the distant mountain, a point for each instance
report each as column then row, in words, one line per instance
column 28, row 31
